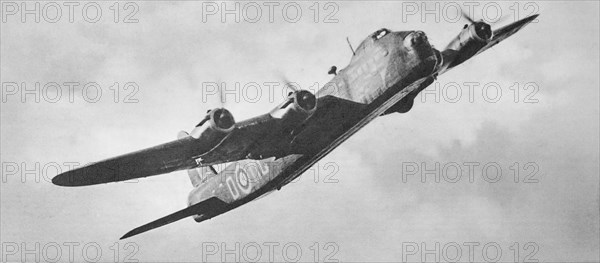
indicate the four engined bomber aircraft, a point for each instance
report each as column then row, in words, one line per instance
column 388, row 69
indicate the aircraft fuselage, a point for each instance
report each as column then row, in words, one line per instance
column 383, row 65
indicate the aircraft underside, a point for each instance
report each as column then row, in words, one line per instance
column 386, row 72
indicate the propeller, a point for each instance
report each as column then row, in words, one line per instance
column 500, row 20
column 305, row 99
column 222, row 99
column 466, row 16
column 482, row 29
column 472, row 21
column 287, row 83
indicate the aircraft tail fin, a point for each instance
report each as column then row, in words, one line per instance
column 211, row 207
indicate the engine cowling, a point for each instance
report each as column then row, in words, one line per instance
column 298, row 107
column 478, row 32
column 470, row 40
column 214, row 127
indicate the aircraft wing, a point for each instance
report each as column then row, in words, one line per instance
column 210, row 208
column 257, row 138
column 156, row 160
column 503, row 33
column 455, row 57
column 264, row 136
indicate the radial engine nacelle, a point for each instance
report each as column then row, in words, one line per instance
column 297, row 108
column 471, row 39
column 214, row 127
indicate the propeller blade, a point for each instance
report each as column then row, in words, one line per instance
column 287, row 83
column 467, row 17
column 500, row 20
column 221, row 98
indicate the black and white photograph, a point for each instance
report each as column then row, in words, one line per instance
column 300, row 131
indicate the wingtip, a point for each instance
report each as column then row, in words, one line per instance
column 531, row 18
column 128, row 234
column 61, row 180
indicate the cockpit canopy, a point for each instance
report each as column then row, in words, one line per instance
column 372, row 38
column 380, row 33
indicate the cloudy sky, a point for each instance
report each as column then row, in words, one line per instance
column 544, row 127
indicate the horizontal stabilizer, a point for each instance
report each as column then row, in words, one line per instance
column 212, row 206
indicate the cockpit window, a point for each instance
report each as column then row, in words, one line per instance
column 371, row 39
column 380, row 33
